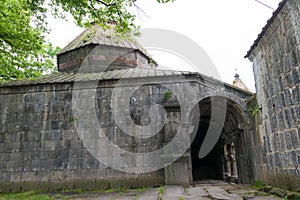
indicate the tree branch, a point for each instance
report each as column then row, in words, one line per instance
column 106, row 4
column 92, row 5
column 139, row 9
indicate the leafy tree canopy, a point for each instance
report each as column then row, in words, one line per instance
column 23, row 25
column 23, row 51
column 86, row 11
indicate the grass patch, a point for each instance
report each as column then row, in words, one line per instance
column 57, row 196
column 282, row 180
column 115, row 190
column 31, row 195
column 161, row 190
column 66, row 194
column 259, row 184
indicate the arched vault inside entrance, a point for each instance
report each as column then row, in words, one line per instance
column 222, row 162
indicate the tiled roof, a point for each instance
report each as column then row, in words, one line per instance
column 109, row 75
column 270, row 21
column 132, row 73
column 97, row 35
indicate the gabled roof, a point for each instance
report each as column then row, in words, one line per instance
column 95, row 34
column 265, row 28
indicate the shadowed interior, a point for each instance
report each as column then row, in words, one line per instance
column 221, row 163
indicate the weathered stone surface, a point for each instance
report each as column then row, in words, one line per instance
column 219, row 193
column 154, row 197
column 196, row 191
column 279, row 192
column 174, row 190
column 261, row 198
column 39, row 139
column 276, row 66
column 176, row 173
column 85, row 184
column 195, row 198
column 149, row 194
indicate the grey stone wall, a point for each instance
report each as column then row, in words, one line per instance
column 40, row 148
column 255, row 141
column 276, row 66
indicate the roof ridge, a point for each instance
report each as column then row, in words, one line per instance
column 265, row 28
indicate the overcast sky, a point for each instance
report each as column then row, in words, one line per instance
column 225, row 29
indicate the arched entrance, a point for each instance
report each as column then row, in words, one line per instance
column 223, row 161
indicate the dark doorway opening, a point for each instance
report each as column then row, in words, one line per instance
column 223, row 161
column 209, row 167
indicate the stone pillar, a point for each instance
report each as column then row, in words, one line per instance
column 176, row 173
column 234, row 175
column 227, row 163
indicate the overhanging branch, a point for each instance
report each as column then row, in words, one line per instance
column 139, row 9
column 106, row 4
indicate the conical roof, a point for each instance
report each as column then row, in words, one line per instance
column 111, row 43
column 95, row 34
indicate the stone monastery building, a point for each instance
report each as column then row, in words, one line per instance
column 110, row 118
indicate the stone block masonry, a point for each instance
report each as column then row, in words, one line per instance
column 276, row 65
column 40, row 148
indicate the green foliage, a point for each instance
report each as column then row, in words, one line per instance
column 31, row 195
column 259, row 184
column 86, row 11
column 252, row 105
column 168, row 95
column 254, row 110
column 57, row 196
column 161, row 190
column 285, row 181
column 23, row 51
column 68, row 194
column 72, row 119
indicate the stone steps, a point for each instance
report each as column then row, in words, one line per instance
column 205, row 192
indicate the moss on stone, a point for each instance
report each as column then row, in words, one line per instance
column 115, row 182
column 142, row 181
column 86, row 185
column 102, row 184
column 5, row 187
